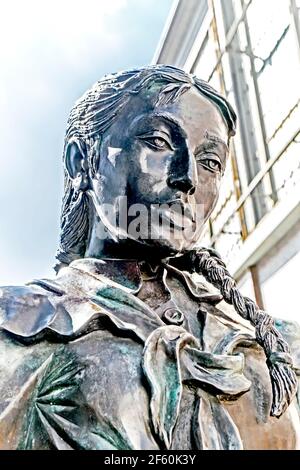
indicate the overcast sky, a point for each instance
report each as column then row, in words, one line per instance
column 51, row 51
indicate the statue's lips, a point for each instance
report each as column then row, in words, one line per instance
column 177, row 214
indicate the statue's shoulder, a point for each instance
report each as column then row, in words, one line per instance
column 45, row 307
column 24, row 310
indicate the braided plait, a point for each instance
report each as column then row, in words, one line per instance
column 279, row 361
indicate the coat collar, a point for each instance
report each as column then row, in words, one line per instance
column 130, row 274
column 125, row 273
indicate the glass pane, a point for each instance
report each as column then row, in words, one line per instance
column 230, row 240
column 266, row 24
column 285, row 132
column 279, row 83
column 277, row 59
column 287, row 170
column 245, row 285
column 207, row 59
column 287, row 278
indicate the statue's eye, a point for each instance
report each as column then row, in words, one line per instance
column 211, row 164
column 157, row 143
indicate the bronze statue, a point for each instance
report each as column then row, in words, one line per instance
column 142, row 340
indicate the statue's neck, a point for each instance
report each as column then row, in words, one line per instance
column 100, row 247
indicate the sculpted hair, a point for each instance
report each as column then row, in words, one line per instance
column 95, row 112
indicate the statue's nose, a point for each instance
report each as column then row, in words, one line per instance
column 183, row 172
column 182, row 183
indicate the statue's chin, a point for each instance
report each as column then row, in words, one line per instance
column 154, row 241
column 177, row 240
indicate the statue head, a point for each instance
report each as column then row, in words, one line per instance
column 151, row 143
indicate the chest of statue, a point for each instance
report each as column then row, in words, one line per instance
column 205, row 375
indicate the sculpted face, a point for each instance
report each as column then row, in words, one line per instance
column 172, row 155
column 158, row 173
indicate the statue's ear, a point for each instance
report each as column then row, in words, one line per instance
column 76, row 165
